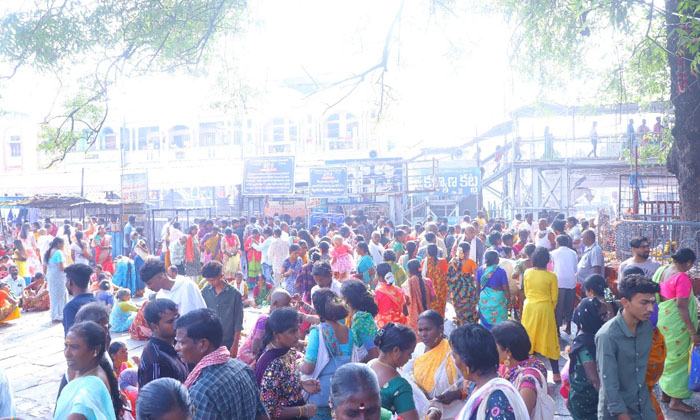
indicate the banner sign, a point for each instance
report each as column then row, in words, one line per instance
column 337, row 218
column 268, row 176
column 367, row 176
column 134, row 187
column 455, row 178
column 293, row 207
column 328, row 182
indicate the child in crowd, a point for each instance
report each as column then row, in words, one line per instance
column 242, row 288
column 123, row 312
column 104, row 294
column 261, row 291
column 341, row 258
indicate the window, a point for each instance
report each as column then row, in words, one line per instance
column 333, row 126
column 148, row 136
column 292, row 131
column 126, row 138
column 351, row 126
column 15, row 146
column 238, row 132
column 179, row 137
column 278, row 129
column 108, row 139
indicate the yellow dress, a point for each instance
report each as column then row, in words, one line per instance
column 541, row 293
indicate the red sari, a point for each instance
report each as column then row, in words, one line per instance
column 103, row 256
column 390, row 300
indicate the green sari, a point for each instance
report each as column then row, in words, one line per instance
column 674, row 381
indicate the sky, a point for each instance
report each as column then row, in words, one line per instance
column 449, row 76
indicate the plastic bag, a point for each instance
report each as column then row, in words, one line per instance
column 694, row 369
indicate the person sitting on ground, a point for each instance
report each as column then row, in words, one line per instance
column 220, row 387
column 163, row 399
column 261, row 292
column 242, row 286
column 36, row 294
column 128, row 387
column 124, row 312
column 9, row 306
column 105, row 294
column 119, row 354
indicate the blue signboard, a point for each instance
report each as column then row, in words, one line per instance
column 378, row 175
column 454, row 178
column 315, row 218
column 268, row 176
column 328, row 182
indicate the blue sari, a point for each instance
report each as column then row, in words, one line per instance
column 364, row 265
column 493, row 305
column 88, row 396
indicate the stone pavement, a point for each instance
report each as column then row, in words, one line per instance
column 31, row 354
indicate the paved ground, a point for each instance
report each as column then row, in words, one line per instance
column 31, row 354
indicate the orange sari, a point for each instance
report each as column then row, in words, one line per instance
column 655, row 368
column 390, row 300
column 415, row 307
column 436, row 271
column 8, row 311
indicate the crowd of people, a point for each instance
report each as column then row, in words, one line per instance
column 363, row 319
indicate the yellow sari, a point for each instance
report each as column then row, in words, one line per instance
column 435, row 372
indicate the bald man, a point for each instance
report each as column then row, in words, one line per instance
column 476, row 247
column 248, row 352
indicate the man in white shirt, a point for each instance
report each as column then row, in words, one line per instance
column 264, row 249
column 376, row 249
column 574, row 230
column 278, row 252
column 528, row 225
column 181, row 290
column 515, row 224
column 564, row 262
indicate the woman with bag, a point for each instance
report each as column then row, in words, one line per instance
column 678, row 322
column 329, row 347
column 526, row 373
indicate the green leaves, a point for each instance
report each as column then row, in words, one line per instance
column 92, row 42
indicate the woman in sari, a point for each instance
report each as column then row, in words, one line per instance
column 411, row 250
column 541, row 293
column 432, row 366
column 590, row 314
column 476, row 357
column 211, row 245
column 20, row 258
column 305, row 279
column 363, row 310
column 103, row 250
column 56, row 278
column 528, row 374
column 30, row 248
column 391, row 301
column 93, row 392
column 365, row 264
column 280, row 385
column 418, row 294
column 261, row 291
column 192, row 254
column 8, row 304
column 399, row 273
column 230, row 248
column 678, row 322
column 494, row 292
column 396, row 342
column 36, row 295
column 329, row 347
column 435, row 269
column 462, row 285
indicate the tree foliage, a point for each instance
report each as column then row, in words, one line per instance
column 94, row 42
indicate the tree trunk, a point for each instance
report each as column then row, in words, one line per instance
column 684, row 157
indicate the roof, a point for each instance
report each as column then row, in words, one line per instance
column 56, row 201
